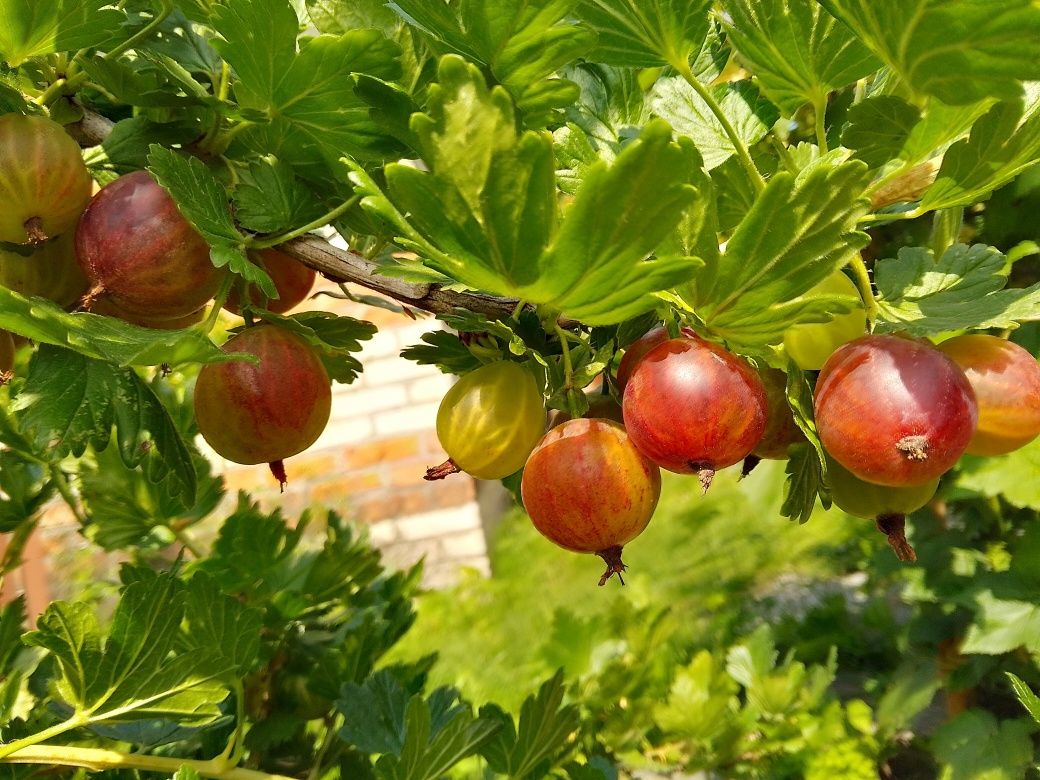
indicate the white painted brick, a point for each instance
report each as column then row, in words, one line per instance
column 412, row 333
column 402, row 554
column 465, row 545
column 387, row 371
column 361, row 403
column 383, row 344
column 382, row 534
column 440, row 522
column 412, row 418
column 432, row 388
column 352, row 431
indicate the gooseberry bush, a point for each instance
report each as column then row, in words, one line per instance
column 700, row 233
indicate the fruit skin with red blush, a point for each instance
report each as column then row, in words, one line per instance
column 781, row 430
column 49, row 271
column 7, row 350
column 601, row 406
column 106, row 307
column 694, row 408
column 291, row 278
column 894, row 411
column 139, row 251
column 44, row 184
column 1006, row 381
column 635, row 351
column 268, row 412
column 588, row 489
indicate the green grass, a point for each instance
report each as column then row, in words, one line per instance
column 704, row 557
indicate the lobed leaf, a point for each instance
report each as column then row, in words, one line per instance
column 1002, row 144
column 638, row 33
column 962, row 291
column 523, row 44
column 798, row 232
column 69, row 402
column 798, row 52
column 675, row 100
column 960, row 51
column 29, row 28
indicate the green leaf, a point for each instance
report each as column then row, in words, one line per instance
column 339, row 16
column 25, row 487
column 1002, row 625
column 799, row 231
column 437, row 735
column 70, row 401
column 222, row 627
column 486, row 212
column 699, row 699
column 29, row 28
column 752, row 116
column 909, row 691
column 976, row 746
column 960, row 51
column 126, row 147
column 1008, row 476
column 103, row 338
column 137, row 671
column 1002, row 144
column 126, row 511
column 542, row 739
column 270, row 199
column 797, row 51
column 879, row 127
column 442, row 349
column 1025, row 695
column 374, row 714
column 203, row 202
column 259, row 68
column 596, row 269
column 964, row 290
column 939, row 126
column 308, row 95
column 523, row 44
column 642, row 33
column 334, row 338
column 803, row 485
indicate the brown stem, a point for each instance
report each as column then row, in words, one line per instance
column 278, row 469
column 445, row 469
column 894, row 528
column 612, row 557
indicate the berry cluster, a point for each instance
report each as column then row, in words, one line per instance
column 893, row 414
column 128, row 252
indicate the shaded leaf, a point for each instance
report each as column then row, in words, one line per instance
column 960, row 51
column 675, row 100
column 964, row 290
